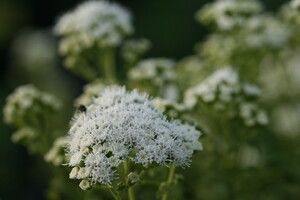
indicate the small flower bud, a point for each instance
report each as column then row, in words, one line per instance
column 83, row 173
column 85, row 185
column 133, row 177
column 73, row 173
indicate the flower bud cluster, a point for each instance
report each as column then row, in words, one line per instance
column 222, row 89
column 133, row 49
column 27, row 104
column 228, row 14
column 157, row 70
column 94, row 26
column 93, row 22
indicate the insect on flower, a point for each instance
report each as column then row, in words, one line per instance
column 80, row 108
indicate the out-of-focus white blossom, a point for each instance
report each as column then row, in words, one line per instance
column 34, row 50
column 169, row 107
column 250, row 156
column 93, row 23
column 287, row 120
column 252, row 115
column 133, row 49
column 251, row 90
column 266, row 31
column 223, row 88
column 56, row 155
column 121, row 125
column 278, row 80
column 222, row 85
column 156, row 74
column 23, row 135
column 26, row 105
column 295, row 4
column 158, row 70
column 89, row 91
column 228, row 14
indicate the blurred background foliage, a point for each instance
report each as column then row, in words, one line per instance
column 173, row 32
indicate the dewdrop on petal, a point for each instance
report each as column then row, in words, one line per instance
column 126, row 125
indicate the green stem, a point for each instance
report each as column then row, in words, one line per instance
column 114, row 194
column 112, row 191
column 131, row 195
column 169, row 180
column 108, row 64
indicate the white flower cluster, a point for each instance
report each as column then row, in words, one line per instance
column 295, row 4
column 56, row 155
column 222, row 85
column 89, row 91
column 169, row 107
column 133, row 49
column 123, row 125
column 278, row 81
column 26, row 104
column 266, row 31
column 25, row 134
column 252, row 114
column 291, row 12
column 158, row 70
column 210, row 49
column 100, row 23
column 223, row 88
column 228, row 14
column 286, row 119
column 250, row 156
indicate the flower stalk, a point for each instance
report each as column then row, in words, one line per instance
column 169, row 181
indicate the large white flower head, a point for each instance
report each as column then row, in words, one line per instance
column 123, row 125
column 228, row 14
column 27, row 104
column 94, row 22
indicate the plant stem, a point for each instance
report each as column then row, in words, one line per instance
column 108, row 64
column 131, row 195
column 112, row 191
column 169, row 180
